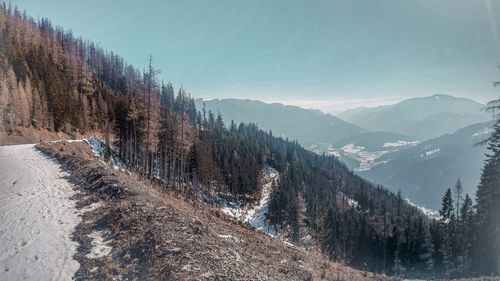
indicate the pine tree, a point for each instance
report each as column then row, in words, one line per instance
column 457, row 238
column 446, row 211
column 466, row 222
column 427, row 257
column 447, row 220
column 458, row 196
column 487, row 245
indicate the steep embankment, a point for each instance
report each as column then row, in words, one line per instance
column 151, row 233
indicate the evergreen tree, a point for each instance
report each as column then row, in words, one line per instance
column 458, row 196
column 457, row 238
column 467, row 234
column 427, row 256
column 447, row 221
column 487, row 245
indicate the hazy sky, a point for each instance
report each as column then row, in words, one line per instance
column 330, row 55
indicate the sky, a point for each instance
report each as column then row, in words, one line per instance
column 323, row 54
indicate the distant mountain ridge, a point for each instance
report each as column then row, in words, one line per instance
column 422, row 118
column 305, row 125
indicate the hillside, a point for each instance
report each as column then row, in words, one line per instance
column 422, row 118
column 295, row 123
column 153, row 234
column 429, row 168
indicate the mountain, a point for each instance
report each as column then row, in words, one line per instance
column 429, row 168
column 295, row 123
column 422, row 118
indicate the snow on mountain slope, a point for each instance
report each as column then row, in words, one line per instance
column 433, row 214
column 361, row 158
column 99, row 148
column 367, row 159
column 362, row 152
column 426, row 170
column 430, row 152
column 255, row 214
column 399, row 143
column 37, row 217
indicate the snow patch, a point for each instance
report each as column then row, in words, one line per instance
column 91, row 207
column 400, row 143
column 352, row 203
column 433, row 214
column 485, row 131
column 70, row 141
column 430, row 152
column 100, row 246
column 229, row 237
column 255, row 214
column 367, row 159
column 99, row 148
column 352, row 149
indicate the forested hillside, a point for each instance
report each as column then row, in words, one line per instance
column 430, row 167
column 52, row 80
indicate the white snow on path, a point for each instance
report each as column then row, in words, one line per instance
column 37, row 217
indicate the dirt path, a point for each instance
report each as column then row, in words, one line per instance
column 37, row 217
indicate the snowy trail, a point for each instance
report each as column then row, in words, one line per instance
column 37, row 217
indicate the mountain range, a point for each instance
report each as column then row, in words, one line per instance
column 422, row 118
column 305, row 125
